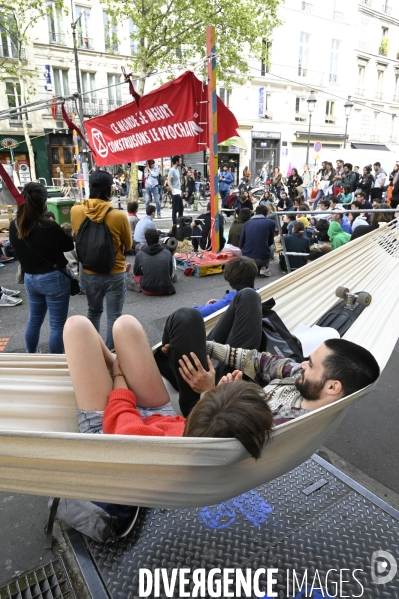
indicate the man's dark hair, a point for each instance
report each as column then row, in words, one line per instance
column 377, row 164
column 132, row 207
column 356, row 204
column 150, row 209
column 225, row 165
column 325, row 203
column 175, row 159
column 354, row 366
column 292, row 216
column 361, row 193
column 333, row 199
column 281, row 193
column 339, row 160
column 339, row 213
column 151, row 236
column 245, row 214
column 314, row 256
column 348, row 165
column 241, row 273
column 233, row 410
column 261, row 209
column 298, row 226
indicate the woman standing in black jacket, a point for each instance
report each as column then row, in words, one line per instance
column 37, row 242
column 294, row 180
column 366, row 181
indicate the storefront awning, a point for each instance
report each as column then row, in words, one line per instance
column 235, row 141
column 375, row 147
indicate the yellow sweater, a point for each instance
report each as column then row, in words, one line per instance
column 116, row 221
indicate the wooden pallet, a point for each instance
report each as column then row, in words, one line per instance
column 199, row 270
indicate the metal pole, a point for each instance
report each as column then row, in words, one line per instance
column 213, row 136
column 307, row 149
column 346, row 131
column 78, row 86
column 282, row 241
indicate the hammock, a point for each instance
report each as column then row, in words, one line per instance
column 42, row 453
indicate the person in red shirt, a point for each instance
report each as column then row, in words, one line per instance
column 123, row 392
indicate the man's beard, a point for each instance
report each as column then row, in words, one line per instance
column 309, row 390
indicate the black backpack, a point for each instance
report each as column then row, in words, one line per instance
column 276, row 338
column 322, row 226
column 95, row 246
column 161, row 180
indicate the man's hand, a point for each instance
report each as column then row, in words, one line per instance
column 211, row 301
column 231, row 377
column 196, row 376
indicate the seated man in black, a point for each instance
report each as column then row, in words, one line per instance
column 153, row 268
column 297, row 242
column 201, row 230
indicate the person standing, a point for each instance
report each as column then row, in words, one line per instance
column 175, row 187
column 294, row 181
column 366, row 181
column 307, row 186
column 225, row 180
column 139, row 181
column 276, row 181
column 111, row 286
column 39, row 243
column 379, row 183
column 151, row 174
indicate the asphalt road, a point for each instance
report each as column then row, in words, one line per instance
column 367, row 438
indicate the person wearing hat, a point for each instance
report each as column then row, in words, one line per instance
column 110, row 286
column 151, row 174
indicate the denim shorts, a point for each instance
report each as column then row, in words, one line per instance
column 91, row 421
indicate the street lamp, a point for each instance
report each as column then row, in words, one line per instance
column 311, row 104
column 348, row 109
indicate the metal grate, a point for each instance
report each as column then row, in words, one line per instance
column 49, row 581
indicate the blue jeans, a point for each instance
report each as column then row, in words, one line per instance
column 320, row 196
column 50, row 290
column 113, row 289
column 224, row 195
column 153, row 191
column 197, row 186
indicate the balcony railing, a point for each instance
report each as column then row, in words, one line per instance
column 268, row 115
column 333, row 78
column 360, row 92
column 329, row 118
column 364, row 46
column 378, row 95
column 92, row 107
column 392, row 140
column 338, row 16
column 386, row 9
column 86, row 43
column 374, row 138
column 9, row 49
column 306, row 7
column 58, row 39
column 395, row 98
column 367, row 2
column 301, row 117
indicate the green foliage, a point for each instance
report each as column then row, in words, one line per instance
column 384, row 47
column 172, row 33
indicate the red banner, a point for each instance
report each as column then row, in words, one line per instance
column 171, row 120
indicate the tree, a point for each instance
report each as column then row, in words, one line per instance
column 169, row 34
column 16, row 22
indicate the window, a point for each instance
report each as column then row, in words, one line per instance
column 9, row 45
column 54, row 21
column 334, row 55
column 111, row 33
column 303, row 54
column 88, row 86
column 13, row 93
column 380, row 85
column 300, row 110
column 83, row 28
column 383, row 49
column 225, row 95
column 61, row 82
column 267, row 57
column 364, row 32
column 114, row 90
column 268, row 104
column 361, row 71
column 330, row 118
column 132, row 31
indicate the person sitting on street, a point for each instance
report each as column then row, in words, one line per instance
column 337, row 237
column 132, row 209
column 288, row 222
column 240, row 273
column 361, row 197
column 145, row 223
column 244, row 202
column 342, row 220
column 153, row 267
column 376, row 219
column 297, row 242
column 284, row 203
column 201, row 230
column 256, row 239
column 358, row 219
column 236, row 227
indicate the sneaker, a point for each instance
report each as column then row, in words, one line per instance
column 5, row 259
column 134, row 287
column 159, row 216
column 9, row 292
column 264, row 272
column 6, row 300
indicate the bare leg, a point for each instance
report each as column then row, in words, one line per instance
column 138, row 364
column 89, row 362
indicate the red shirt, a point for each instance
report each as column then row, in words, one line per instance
column 121, row 417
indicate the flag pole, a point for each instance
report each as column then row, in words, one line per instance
column 213, row 136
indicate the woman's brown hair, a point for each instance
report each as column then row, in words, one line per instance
column 32, row 211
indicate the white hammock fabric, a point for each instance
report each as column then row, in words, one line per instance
column 42, row 453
